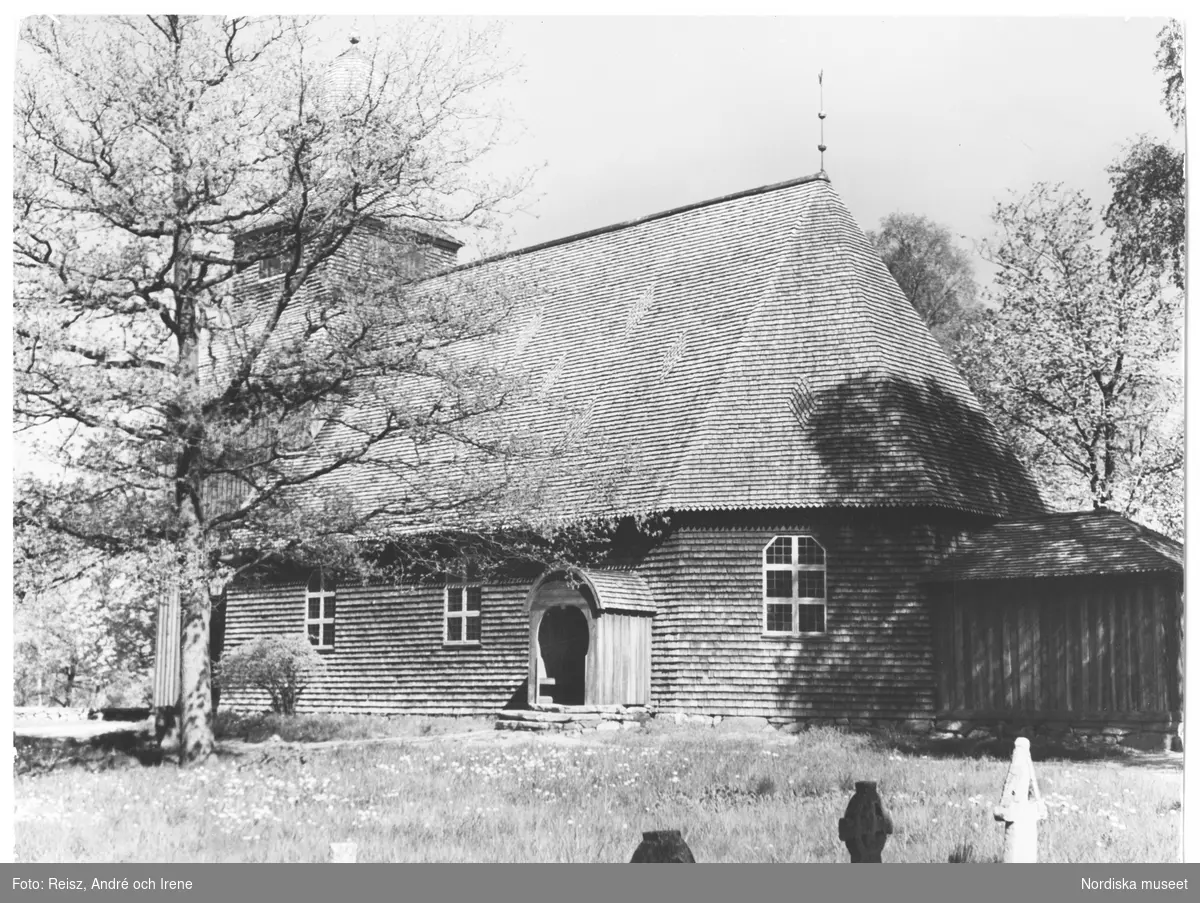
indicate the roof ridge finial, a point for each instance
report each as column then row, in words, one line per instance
column 821, row 116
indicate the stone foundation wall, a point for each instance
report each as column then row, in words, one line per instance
column 795, row 725
column 1135, row 733
column 1141, row 733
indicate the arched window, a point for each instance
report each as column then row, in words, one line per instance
column 320, row 601
column 793, row 586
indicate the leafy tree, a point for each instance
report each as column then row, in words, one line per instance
column 1148, row 212
column 87, row 640
column 1147, row 216
column 935, row 275
column 1170, row 63
column 162, row 161
column 1080, row 362
column 1077, row 362
column 280, row 666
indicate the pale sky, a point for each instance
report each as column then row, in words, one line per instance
column 936, row 116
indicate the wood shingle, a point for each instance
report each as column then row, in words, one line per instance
column 745, row 353
column 1061, row 545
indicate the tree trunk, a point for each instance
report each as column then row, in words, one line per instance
column 69, row 690
column 196, row 727
column 196, row 742
column 196, row 721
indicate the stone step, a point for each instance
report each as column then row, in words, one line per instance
column 572, row 718
column 524, row 726
column 550, row 717
column 614, row 709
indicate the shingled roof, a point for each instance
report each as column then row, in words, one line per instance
column 750, row 352
column 1061, row 545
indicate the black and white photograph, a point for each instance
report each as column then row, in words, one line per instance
column 598, row 439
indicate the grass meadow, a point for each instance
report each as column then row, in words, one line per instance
column 492, row 796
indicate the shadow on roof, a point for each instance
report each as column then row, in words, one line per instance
column 881, row 437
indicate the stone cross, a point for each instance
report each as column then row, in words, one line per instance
column 1021, row 806
column 866, row 827
column 662, row 846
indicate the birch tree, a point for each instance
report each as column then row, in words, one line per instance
column 936, row 275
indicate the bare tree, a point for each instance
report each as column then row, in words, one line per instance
column 163, row 161
column 1078, row 359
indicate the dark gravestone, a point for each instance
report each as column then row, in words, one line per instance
column 866, row 827
column 662, row 846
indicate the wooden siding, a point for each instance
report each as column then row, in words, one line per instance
column 619, row 661
column 168, row 640
column 1060, row 648
column 390, row 656
column 705, row 644
column 875, row 659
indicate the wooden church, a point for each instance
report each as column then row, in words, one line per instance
column 849, row 538
column 845, row 537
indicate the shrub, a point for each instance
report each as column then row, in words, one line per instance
column 281, row 666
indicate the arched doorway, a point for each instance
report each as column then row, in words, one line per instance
column 589, row 638
column 563, row 640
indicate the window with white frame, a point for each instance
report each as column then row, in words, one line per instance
column 464, row 606
column 320, row 603
column 793, row 586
